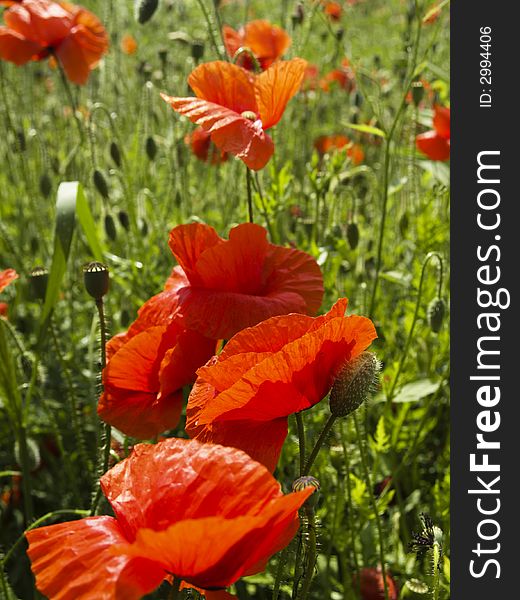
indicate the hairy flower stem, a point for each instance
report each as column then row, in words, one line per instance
column 404, row 355
column 106, row 431
column 249, row 194
column 301, row 440
column 211, row 31
column 386, row 164
column 70, row 96
column 312, row 553
column 282, row 559
column 319, row 443
column 368, row 482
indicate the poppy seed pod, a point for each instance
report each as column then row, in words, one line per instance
column 38, row 281
column 124, row 219
column 110, row 227
column 197, row 50
column 353, row 384
column 144, row 10
column 305, row 482
column 436, row 312
column 96, row 278
column 298, row 15
column 101, row 183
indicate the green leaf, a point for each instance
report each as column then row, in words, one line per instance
column 381, row 438
column 366, row 129
column 416, row 390
column 70, row 203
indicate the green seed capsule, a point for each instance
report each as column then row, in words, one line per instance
column 151, row 147
column 96, row 278
column 353, row 384
column 45, row 185
column 303, row 483
column 39, row 278
column 115, row 153
column 122, row 215
column 101, row 183
column 144, row 10
column 353, row 235
column 436, row 312
column 110, row 227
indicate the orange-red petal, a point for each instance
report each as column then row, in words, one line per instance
column 433, row 145
column 441, row 121
column 7, row 277
column 268, row 42
column 74, row 561
column 276, row 86
column 17, row 49
column 39, row 20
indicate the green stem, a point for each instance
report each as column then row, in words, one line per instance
column 372, row 502
column 106, row 431
column 386, row 167
column 210, row 29
column 282, row 559
column 70, row 97
column 319, row 443
column 258, row 188
column 249, row 195
column 301, row 440
column 404, row 355
column 312, row 554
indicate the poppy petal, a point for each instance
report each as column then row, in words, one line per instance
column 144, row 489
column 15, row 48
column 267, row 41
column 225, row 84
column 433, row 145
column 276, row 86
column 221, row 550
column 7, row 277
column 74, row 561
column 232, row 40
column 40, row 21
column 441, row 121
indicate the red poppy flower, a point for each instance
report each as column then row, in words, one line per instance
column 333, row 10
column 128, row 44
column 7, row 277
column 266, row 41
column 4, row 308
column 328, row 143
column 144, row 376
column 243, row 397
column 436, row 143
column 204, row 149
column 204, row 513
column 342, row 77
column 223, row 286
column 37, row 28
column 372, row 587
column 236, row 106
column 310, row 78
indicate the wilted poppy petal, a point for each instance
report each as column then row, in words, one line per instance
column 221, row 549
column 441, row 121
column 144, row 489
column 6, row 277
column 276, row 86
column 15, row 48
column 225, row 84
column 433, row 145
column 74, row 561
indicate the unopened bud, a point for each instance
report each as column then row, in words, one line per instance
column 303, row 483
column 115, row 153
column 197, row 50
column 417, row 92
column 39, row 278
column 298, row 15
column 353, row 235
column 122, row 215
column 110, row 227
column 151, row 147
column 101, row 183
column 436, row 312
column 353, row 384
column 96, row 278
column 45, row 185
column 145, row 9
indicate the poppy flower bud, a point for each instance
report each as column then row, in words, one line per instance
column 353, row 384
column 21, row 141
column 96, row 278
column 436, row 312
column 39, row 278
column 144, row 10
column 340, row 32
column 110, row 227
column 353, row 235
column 115, row 153
column 45, row 185
column 197, row 50
column 122, row 215
column 143, row 228
column 417, row 92
column 151, row 147
column 303, row 483
column 404, row 223
column 101, row 183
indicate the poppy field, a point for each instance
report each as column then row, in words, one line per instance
column 224, row 299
